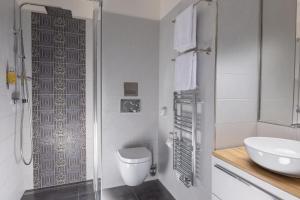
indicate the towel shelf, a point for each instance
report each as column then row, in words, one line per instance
column 206, row 51
column 186, row 118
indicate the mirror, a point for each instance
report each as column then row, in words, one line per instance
column 280, row 50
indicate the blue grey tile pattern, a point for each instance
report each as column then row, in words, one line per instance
column 58, row 100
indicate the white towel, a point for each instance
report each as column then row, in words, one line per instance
column 186, row 72
column 185, row 30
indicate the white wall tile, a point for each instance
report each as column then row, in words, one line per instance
column 238, row 37
column 237, row 86
column 11, row 183
column 7, row 148
column 237, row 71
column 233, row 134
column 8, row 166
column 235, row 110
column 6, row 128
column 271, row 130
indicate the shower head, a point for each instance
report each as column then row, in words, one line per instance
column 55, row 11
column 46, row 8
column 82, row 9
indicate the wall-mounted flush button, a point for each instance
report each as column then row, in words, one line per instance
column 130, row 105
column 131, row 89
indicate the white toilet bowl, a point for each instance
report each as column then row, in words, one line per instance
column 134, row 164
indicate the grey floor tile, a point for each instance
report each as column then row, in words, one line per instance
column 90, row 196
column 152, row 190
column 64, row 192
column 118, row 193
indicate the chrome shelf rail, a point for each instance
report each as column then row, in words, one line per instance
column 206, row 51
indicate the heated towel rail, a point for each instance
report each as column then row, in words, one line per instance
column 185, row 135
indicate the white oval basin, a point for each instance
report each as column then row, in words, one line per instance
column 279, row 155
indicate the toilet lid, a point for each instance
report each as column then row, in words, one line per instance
column 134, row 155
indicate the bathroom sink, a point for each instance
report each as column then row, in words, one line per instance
column 278, row 155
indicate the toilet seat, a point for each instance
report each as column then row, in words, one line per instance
column 134, row 155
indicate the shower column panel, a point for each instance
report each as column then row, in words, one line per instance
column 59, row 93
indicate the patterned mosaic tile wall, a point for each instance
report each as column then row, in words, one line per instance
column 58, row 89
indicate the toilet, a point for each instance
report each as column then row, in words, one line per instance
column 134, row 164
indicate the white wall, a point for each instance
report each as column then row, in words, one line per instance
column 130, row 54
column 237, row 71
column 137, row 8
column 11, row 182
column 206, row 72
column 154, row 9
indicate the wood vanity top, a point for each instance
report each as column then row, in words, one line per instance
column 239, row 158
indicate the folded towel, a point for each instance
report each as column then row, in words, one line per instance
column 185, row 30
column 186, row 72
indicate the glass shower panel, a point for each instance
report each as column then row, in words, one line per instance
column 97, row 98
column 62, row 52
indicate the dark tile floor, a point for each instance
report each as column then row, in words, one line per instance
column 76, row 191
column 152, row 190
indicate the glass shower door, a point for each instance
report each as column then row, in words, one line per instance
column 62, row 58
column 97, row 98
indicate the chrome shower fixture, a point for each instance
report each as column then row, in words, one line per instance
column 21, row 93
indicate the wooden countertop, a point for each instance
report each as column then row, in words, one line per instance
column 239, row 158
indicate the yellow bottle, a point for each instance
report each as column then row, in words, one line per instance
column 11, row 78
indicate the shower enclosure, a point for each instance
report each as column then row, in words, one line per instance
column 57, row 54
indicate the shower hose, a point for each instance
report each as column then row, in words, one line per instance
column 25, row 100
